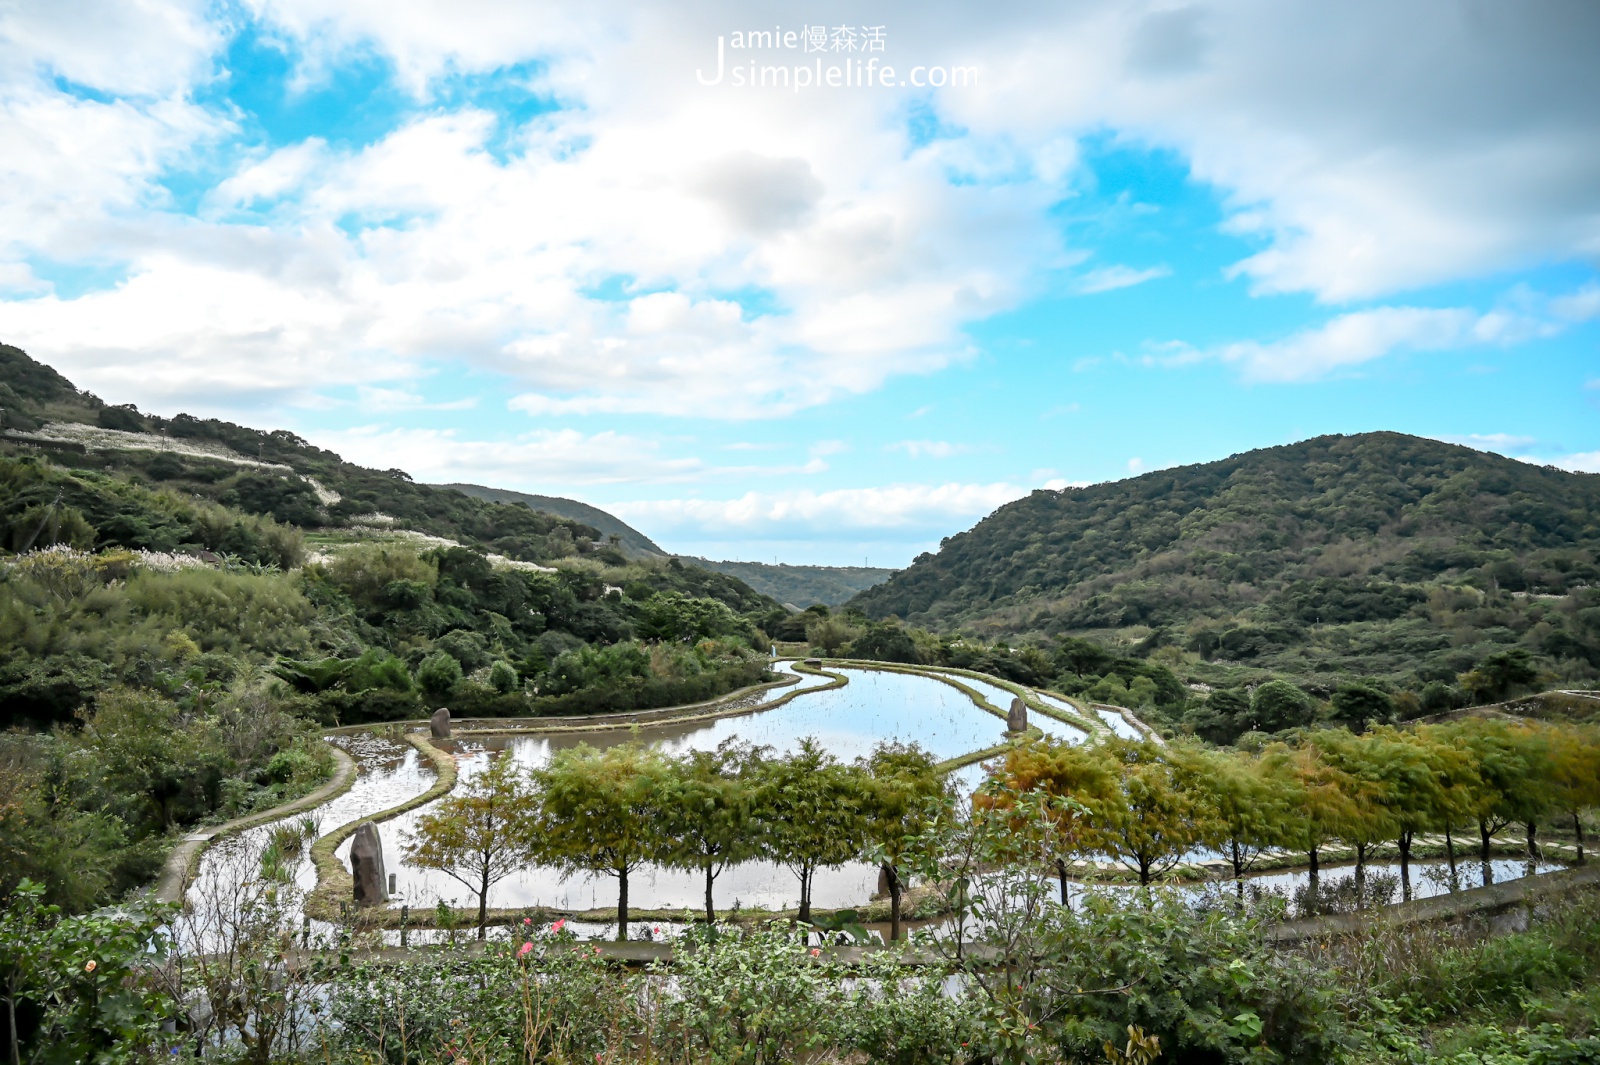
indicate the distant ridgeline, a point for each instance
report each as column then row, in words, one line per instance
column 1377, row 555
column 631, row 541
column 800, row 586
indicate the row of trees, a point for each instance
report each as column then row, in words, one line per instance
column 1149, row 806
column 610, row 811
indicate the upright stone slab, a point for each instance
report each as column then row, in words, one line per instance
column 366, row 866
column 1017, row 719
column 439, row 724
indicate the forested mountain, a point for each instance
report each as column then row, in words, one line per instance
column 398, row 571
column 800, row 586
column 633, row 543
column 1379, row 555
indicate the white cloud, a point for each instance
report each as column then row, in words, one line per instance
column 934, row 449
column 399, row 399
column 870, row 252
column 530, row 461
column 1499, row 442
column 1350, row 340
column 1582, row 462
column 1110, row 278
column 845, row 513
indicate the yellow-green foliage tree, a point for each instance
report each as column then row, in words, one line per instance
column 481, row 834
column 809, row 814
column 1251, row 806
column 1511, row 779
column 1369, row 821
column 599, row 812
column 1421, row 784
column 1083, row 774
column 903, row 792
column 1324, row 800
column 1156, row 811
column 705, row 812
column 1575, row 775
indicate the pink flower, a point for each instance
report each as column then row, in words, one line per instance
column 559, row 925
column 815, row 952
column 657, row 930
column 527, row 920
column 526, row 949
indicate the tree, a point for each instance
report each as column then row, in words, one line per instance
column 1368, row 818
column 599, row 812
column 1356, row 704
column 1223, row 715
column 1251, row 807
column 1155, row 812
column 808, row 814
column 904, row 790
column 1575, row 775
column 1499, row 675
column 1066, row 771
column 1510, row 784
column 830, row 634
column 1278, row 705
column 705, row 812
column 151, row 757
column 1421, row 784
column 1323, row 799
column 481, row 834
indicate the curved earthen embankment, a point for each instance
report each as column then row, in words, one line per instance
column 180, row 864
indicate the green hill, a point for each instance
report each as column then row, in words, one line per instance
column 1374, row 555
column 633, row 543
column 800, row 586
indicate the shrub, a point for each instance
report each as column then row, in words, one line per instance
column 438, row 674
column 1278, row 705
column 503, row 677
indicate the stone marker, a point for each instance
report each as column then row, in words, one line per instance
column 366, row 865
column 814, row 663
column 1017, row 719
column 439, row 724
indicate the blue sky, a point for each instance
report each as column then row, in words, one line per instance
column 527, row 246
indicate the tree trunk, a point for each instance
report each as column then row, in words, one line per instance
column 1450, row 853
column 622, row 905
column 1313, row 891
column 1061, row 877
column 1577, row 827
column 805, row 894
column 1361, row 875
column 16, row 1040
column 1404, row 843
column 1144, row 873
column 711, row 910
column 894, row 902
column 1533, row 841
column 1484, row 835
column 1238, row 862
column 483, row 903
